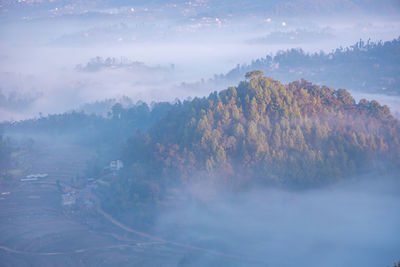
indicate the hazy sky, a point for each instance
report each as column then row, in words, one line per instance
column 41, row 44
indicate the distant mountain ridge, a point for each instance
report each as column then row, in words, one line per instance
column 369, row 67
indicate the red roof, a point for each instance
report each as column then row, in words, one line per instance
column 67, row 188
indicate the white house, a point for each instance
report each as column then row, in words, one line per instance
column 116, row 165
column 36, row 176
column 68, row 199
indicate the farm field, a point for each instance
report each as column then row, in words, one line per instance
column 35, row 230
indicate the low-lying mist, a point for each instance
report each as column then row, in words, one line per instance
column 38, row 55
column 352, row 224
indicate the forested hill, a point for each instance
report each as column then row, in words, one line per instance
column 260, row 132
column 364, row 66
column 265, row 132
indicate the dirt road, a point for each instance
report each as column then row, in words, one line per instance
column 36, row 231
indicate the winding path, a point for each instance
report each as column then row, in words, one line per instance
column 15, row 251
column 158, row 239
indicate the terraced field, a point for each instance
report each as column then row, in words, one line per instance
column 36, row 231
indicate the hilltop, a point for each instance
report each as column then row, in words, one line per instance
column 264, row 132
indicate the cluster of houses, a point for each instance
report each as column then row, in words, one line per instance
column 68, row 199
column 82, row 196
column 71, row 196
column 115, row 166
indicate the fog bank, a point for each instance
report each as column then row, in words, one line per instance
column 345, row 225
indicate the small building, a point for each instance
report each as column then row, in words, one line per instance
column 36, row 176
column 28, row 179
column 116, row 165
column 68, row 199
column 67, row 189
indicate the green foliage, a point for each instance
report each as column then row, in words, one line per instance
column 256, row 74
column 295, row 135
column 260, row 132
column 5, row 157
column 368, row 66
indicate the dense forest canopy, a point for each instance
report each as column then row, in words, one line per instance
column 91, row 127
column 5, row 156
column 365, row 66
column 263, row 131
